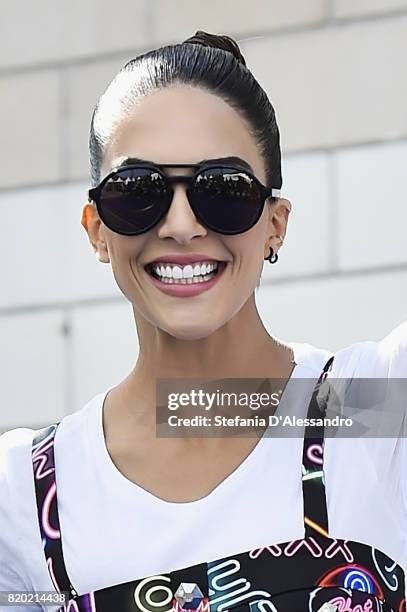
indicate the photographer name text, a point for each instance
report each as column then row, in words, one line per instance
column 257, row 421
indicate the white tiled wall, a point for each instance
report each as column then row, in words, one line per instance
column 336, row 85
column 180, row 19
column 29, row 126
column 307, row 246
column 335, row 311
column 371, row 218
column 51, row 33
column 33, row 366
column 104, row 348
column 351, row 8
column 48, row 254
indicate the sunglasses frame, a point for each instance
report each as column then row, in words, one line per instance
column 95, row 193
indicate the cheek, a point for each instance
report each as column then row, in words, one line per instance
column 125, row 248
column 248, row 248
column 125, row 253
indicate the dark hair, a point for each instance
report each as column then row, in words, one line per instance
column 205, row 60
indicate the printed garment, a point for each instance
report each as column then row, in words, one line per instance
column 314, row 574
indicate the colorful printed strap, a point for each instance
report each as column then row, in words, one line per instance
column 313, row 483
column 43, row 461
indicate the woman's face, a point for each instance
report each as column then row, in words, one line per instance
column 183, row 124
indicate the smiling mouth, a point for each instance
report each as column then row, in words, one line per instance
column 185, row 275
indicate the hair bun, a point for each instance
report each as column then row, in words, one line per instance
column 218, row 42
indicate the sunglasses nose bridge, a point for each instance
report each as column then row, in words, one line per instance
column 180, row 216
column 179, row 197
column 178, row 184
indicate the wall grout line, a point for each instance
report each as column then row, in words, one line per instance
column 333, row 212
column 149, row 21
column 63, row 102
column 330, row 10
column 314, row 26
column 69, row 363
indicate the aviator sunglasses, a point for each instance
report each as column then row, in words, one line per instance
column 133, row 198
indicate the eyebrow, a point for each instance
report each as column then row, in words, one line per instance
column 232, row 159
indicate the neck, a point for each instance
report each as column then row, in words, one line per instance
column 242, row 348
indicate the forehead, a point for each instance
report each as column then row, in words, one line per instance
column 182, row 124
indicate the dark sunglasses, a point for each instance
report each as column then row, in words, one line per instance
column 134, row 198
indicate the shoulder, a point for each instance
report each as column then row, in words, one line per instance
column 383, row 358
column 16, row 444
column 15, row 447
column 16, row 463
column 21, row 551
column 72, row 435
column 15, row 466
column 310, row 357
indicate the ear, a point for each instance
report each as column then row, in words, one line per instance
column 92, row 223
column 279, row 212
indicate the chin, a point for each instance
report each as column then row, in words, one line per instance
column 189, row 332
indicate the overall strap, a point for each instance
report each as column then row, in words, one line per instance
column 43, row 462
column 313, row 483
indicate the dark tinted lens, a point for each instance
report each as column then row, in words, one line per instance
column 133, row 200
column 226, row 199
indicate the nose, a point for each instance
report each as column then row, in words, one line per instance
column 180, row 221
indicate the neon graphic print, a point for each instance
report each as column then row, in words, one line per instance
column 302, row 575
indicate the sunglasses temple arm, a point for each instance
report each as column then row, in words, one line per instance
column 92, row 195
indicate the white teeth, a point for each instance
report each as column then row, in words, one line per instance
column 176, row 272
column 187, row 281
column 186, row 274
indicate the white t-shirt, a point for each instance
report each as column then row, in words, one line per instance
column 114, row 531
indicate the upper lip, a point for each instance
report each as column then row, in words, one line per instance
column 182, row 259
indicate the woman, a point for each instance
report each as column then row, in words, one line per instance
column 132, row 521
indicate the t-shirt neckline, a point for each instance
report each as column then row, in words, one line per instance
column 117, row 480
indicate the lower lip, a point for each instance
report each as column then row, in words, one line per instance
column 185, row 289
